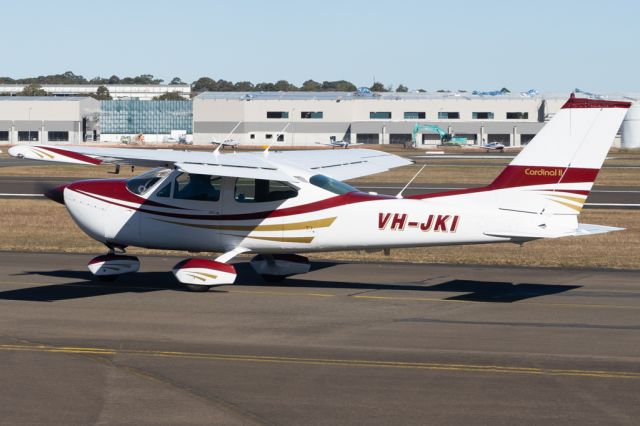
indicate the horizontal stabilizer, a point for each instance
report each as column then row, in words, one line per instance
column 582, row 230
column 586, row 229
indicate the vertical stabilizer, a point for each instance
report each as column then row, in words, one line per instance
column 556, row 170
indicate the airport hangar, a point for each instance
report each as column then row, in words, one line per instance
column 286, row 119
column 307, row 118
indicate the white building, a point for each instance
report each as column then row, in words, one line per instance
column 117, row 91
column 48, row 119
column 307, row 118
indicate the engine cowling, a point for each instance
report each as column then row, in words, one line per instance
column 204, row 272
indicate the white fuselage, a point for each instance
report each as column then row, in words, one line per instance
column 314, row 220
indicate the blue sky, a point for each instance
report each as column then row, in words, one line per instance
column 548, row 45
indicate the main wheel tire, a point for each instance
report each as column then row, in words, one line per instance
column 273, row 278
column 197, row 288
column 107, row 278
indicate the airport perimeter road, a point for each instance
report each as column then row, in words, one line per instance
column 369, row 344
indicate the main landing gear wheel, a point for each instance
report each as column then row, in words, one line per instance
column 108, row 267
column 107, row 278
column 197, row 288
column 273, row 278
column 275, row 268
column 200, row 275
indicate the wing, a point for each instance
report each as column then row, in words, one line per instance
column 342, row 165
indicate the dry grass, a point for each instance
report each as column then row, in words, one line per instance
column 43, row 226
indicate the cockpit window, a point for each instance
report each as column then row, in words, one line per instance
column 190, row 186
column 141, row 184
column 262, row 191
column 331, row 185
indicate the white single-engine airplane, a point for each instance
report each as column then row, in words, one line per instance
column 275, row 204
column 334, row 143
column 496, row 146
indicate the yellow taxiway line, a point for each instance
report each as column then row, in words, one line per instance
column 501, row 369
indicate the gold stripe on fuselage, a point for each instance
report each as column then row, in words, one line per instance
column 311, row 224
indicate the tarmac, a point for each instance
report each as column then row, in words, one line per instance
column 361, row 343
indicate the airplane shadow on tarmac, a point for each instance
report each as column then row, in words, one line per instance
column 85, row 285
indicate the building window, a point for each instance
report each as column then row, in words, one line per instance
column 252, row 136
column 311, row 114
column 517, row 116
column 525, row 139
column 368, row 138
column 383, row 115
column 448, row 115
column 280, row 138
column 415, row 115
column 28, row 136
column 400, row 138
column 482, row 116
column 4, row 136
column 268, row 136
column 58, row 136
column 277, row 114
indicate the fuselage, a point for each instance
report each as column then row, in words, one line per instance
column 154, row 213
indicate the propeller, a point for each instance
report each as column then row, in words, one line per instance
column 53, row 191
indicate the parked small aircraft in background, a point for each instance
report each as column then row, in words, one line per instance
column 275, row 204
column 227, row 142
column 338, row 143
column 496, row 146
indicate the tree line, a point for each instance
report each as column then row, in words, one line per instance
column 203, row 84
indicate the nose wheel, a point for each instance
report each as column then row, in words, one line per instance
column 108, row 267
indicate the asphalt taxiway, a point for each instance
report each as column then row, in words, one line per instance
column 344, row 344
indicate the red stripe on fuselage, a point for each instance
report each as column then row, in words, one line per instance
column 117, row 190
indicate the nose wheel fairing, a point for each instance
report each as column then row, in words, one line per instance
column 113, row 265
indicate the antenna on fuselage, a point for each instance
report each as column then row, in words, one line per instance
column 409, row 183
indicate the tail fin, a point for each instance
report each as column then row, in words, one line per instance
column 555, row 172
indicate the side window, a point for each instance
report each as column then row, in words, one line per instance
column 262, row 191
column 197, row 187
column 165, row 191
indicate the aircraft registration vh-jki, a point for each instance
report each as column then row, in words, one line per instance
column 280, row 204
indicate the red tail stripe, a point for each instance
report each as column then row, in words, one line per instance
column 516, row 176
column 574, row 102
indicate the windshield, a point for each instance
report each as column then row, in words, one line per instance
column 142, row 183
column 331, row 185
